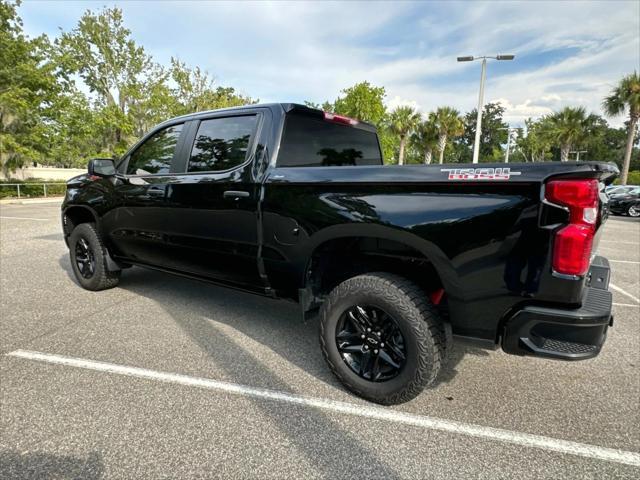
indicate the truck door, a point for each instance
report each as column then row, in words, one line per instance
column 136, row 224
column 212, row 206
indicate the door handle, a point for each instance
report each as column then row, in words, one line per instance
column 235, row 194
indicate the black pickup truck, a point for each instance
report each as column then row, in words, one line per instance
column 395, row 261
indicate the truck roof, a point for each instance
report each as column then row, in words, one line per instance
column 286, row 107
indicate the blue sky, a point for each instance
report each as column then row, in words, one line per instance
column 567, row 52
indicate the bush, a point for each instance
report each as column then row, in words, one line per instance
column 31, row 188
column 634, row 177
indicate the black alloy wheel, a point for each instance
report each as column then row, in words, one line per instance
column 370, row 343
column 381, row 337
column 89, row 259
column 85, row 259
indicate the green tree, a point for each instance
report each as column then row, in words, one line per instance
column 325, row 107
column 71, row 132
column 425, row 138
column 363, row 102
column 533, row 145
column 101, row 51
column 151, row 103
column 28, row 86
column 605, row 144
column 448, row 123
column 492, row 136
column 625, row 96
column 568, row 128
column 402, row 122
column 195, row 91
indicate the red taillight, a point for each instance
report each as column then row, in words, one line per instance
column 332, row 117
column 573, row 243
column 572, row 249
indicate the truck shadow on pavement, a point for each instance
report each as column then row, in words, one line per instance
column 33, row 465
column 276, row 324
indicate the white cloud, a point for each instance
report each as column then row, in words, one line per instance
column 567, row 53
column 396, row 101
column 517, row 114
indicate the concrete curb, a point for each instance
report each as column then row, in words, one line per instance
column 29, row 201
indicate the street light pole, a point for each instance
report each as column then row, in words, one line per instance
column 476, row 143
column 509, row 131
column 483, row 74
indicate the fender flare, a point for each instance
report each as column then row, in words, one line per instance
column 66, row 208
column 432, row 252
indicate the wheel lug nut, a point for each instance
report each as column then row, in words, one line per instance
column 362, row 336
column 382, row 345
column 366, row 347
column 368, row 329
column 375, row 351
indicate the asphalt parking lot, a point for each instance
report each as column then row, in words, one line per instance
column 164, row 377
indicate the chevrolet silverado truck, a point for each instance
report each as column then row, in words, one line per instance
column 393, row 262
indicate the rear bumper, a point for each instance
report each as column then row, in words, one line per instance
column 565, row 334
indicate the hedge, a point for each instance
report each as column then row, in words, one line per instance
column 27, row 189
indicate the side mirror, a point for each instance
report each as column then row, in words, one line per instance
column 101, row 167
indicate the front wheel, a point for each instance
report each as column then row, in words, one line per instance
column 381, row 337
column 634, row 211
column 88, row 259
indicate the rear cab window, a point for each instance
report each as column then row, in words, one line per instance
column 313, row 141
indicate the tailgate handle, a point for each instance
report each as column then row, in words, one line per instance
column 235, row 194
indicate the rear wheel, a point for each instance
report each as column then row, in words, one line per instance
column 381, row 337
column 88, row 259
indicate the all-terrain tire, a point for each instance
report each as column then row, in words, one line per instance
column 417, row 319
column 102, row 278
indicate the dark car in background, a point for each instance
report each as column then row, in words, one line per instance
column 625, row 201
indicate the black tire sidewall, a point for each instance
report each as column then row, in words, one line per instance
column 419, row 344
column 87, row 232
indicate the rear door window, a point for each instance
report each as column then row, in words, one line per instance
column 315, row 142
column 222, row 143
column 154, row 156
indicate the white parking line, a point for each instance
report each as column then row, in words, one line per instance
column 624, row 261
column 622, row 243
column 625, row 305
column 26, row 218
column 377, row 413
column 624, row 292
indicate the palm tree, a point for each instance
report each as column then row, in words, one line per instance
column 425, row 138
column 568, row 128
column 449, row 124
column 402, row 122
column 625, row 95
